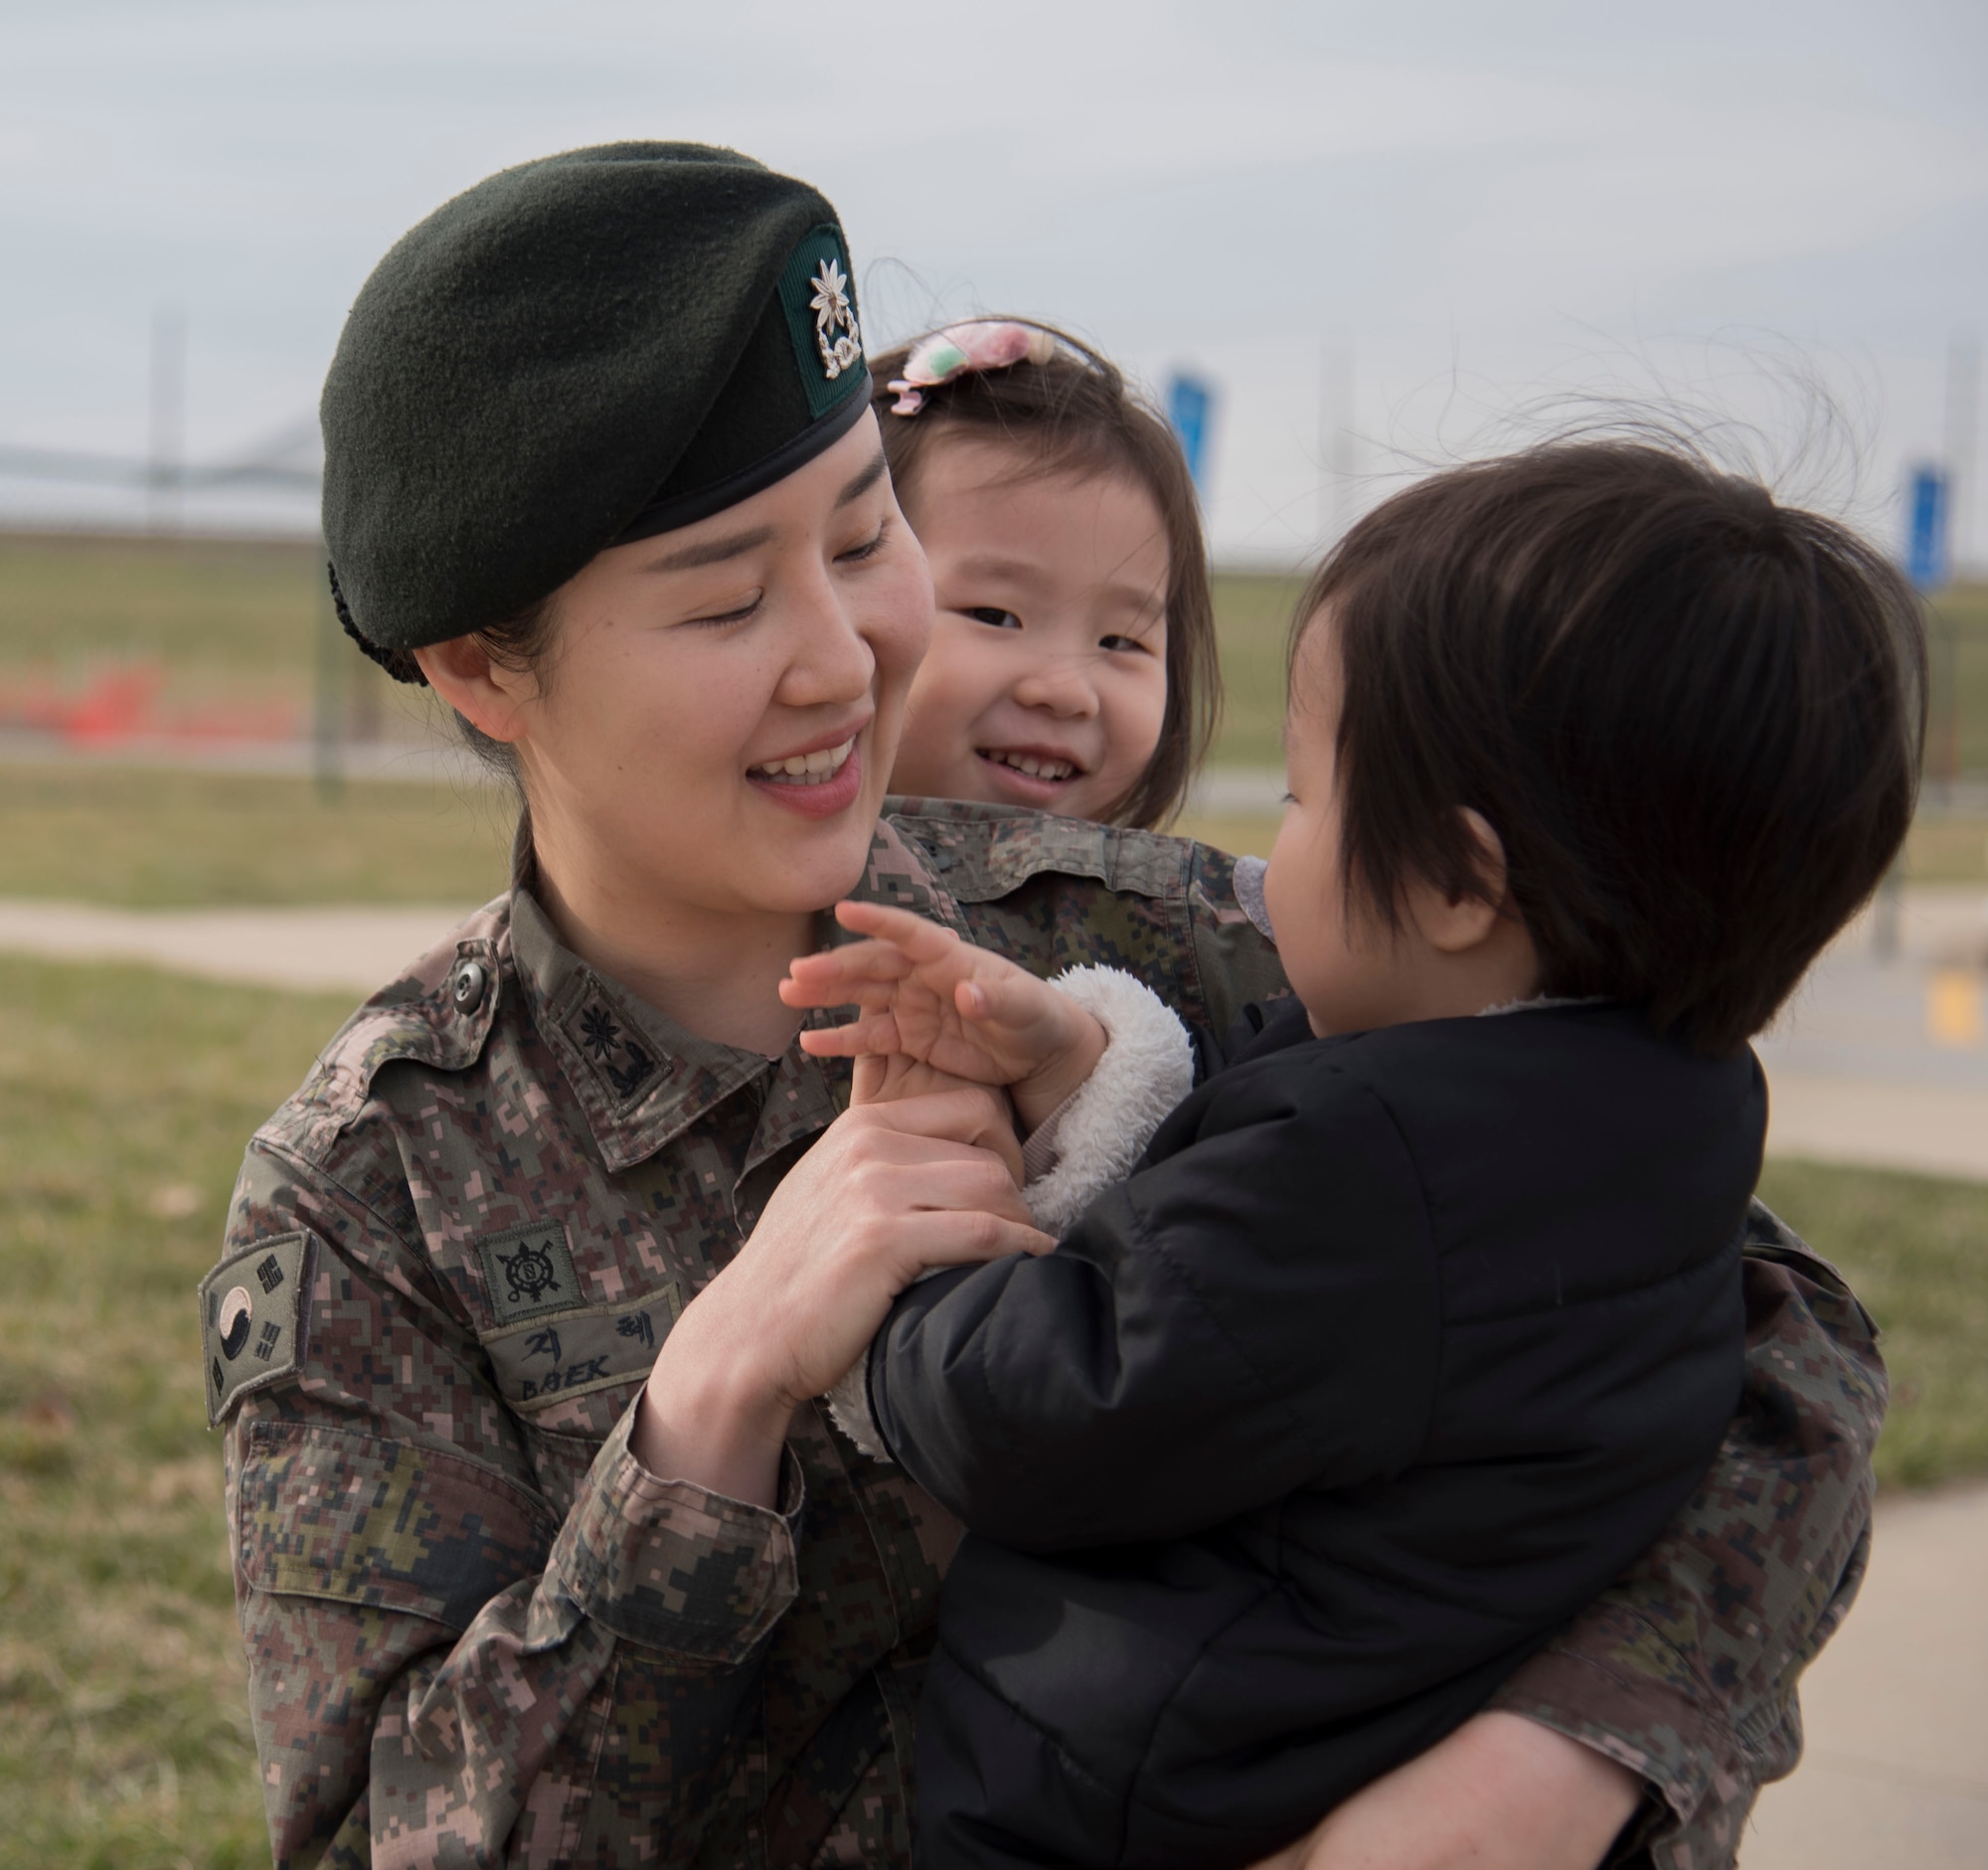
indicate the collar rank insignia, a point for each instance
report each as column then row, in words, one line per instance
column 835, row 333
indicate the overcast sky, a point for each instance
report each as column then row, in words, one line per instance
column 1490, row 208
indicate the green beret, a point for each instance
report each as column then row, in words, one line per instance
column 574, row 353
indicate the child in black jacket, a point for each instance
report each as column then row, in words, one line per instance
column 1418, row 1319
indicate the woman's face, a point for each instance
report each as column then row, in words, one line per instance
column 717, row 721
column 1045, row 684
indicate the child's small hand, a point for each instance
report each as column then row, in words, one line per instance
column 923, row 991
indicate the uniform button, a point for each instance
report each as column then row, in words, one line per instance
column 467, row 986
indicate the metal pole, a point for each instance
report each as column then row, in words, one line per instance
column 1337, row 446
column 1885, row 916
column 327, row 752
column 1963, row 397
column 1950, row 640
column 166, row 466
column 1325, row 413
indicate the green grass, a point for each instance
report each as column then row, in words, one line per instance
column 1252, row 616
column 229, row 623
column 222, row 608
column 1957, row 701
column 169, row 839
column 1916, row 1250
column 126, row 1100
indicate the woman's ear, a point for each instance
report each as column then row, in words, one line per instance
column 1453, row 923
column 490, row 698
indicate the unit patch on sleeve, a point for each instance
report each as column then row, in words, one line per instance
column 254, row 1314
column 528, row 1271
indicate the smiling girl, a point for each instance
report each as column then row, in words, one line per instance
column 1072, row 661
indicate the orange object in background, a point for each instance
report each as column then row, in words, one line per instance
column 121, row 704
column 114, row 707
column 1954, row 1007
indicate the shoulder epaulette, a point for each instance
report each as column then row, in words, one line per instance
column 437, row 1013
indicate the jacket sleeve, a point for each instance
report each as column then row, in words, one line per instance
column 1686, row 1668
column 442, row 1669
column 1042, row 1400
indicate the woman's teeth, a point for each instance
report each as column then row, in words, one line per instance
column 1029, row 764
column 807, row 768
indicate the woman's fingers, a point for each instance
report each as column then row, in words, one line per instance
column 960, row 1238
column 936, row 1115
column 902, row 1174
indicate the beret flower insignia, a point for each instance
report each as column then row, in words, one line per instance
column 835, row 333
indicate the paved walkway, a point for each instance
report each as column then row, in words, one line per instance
column 1896, row 1770
column 353, row 950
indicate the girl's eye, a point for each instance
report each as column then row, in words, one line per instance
column 1123, row 642
column 867, row 549
column 993, row 619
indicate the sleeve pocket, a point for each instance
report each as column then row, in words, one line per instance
column 327, row 1513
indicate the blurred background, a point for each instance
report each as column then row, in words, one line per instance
column 1343, row 244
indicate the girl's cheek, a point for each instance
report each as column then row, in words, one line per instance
column 953, row 677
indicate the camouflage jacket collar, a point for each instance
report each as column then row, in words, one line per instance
column 639, row 1078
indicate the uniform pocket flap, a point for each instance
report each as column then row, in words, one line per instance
column 327, row 1513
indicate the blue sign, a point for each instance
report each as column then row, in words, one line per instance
column 1190, row 411
column 1926, row 549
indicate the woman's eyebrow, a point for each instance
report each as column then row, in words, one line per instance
column 716, row 551
column 710, row 551
column 864, row 481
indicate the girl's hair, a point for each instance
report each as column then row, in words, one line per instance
column 1075, row 412
column 1692, row 717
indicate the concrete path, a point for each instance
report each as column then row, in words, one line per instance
column 354, row 950
column 1896, row 1770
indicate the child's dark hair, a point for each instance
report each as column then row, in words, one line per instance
column 1076, row 411
column 1694, row 717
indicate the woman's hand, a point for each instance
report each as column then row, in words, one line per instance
column 888, row 1190
column 1502, row 1793
column 923, row 992
column 886, row 1078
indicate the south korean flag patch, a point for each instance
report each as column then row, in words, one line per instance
column 254, row 1314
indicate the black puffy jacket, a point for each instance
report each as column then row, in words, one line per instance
column 1393, row 1351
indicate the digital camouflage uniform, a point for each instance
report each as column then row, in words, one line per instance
column 478, row 1632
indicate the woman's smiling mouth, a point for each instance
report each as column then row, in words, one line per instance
column 815, row 768
column 817, row 782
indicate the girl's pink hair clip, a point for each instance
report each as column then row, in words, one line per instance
column 985, row 344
